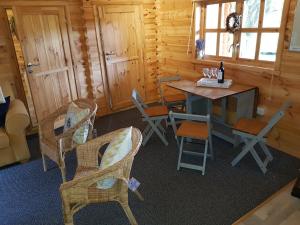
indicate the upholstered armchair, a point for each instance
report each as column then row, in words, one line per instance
column 13, row 145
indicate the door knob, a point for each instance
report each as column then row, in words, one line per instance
column 110, row 53
column 30, row 65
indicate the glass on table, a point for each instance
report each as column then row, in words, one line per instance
column 214, row 72
column 206, row 72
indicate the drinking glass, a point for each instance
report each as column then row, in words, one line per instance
column 206, row 72
column 214, row 72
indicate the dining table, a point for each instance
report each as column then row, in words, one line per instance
column 245, row 95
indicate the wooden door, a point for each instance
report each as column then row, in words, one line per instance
column 45, row 45
column 122, row 45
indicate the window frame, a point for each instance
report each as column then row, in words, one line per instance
column 235, row 59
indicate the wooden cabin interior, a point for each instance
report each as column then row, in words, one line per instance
column 54, row 52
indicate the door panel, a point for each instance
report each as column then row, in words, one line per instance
column 45, row 46
column 122, row 40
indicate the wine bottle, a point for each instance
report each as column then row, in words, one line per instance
column 221, row 73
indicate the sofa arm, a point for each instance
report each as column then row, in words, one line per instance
column 17, row 118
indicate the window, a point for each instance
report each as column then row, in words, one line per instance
column 257, row 40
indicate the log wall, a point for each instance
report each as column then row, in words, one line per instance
column 173, row 23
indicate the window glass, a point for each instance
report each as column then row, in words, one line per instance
column 248, row 45
column 272, row 13
column 268, row 46
column 251, row 13
column 226, row 41
column 227, row 8
column 210, row 43
column 212, row 13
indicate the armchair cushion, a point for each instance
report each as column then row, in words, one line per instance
column 117, row 149
column 74, row 116
column 4, row 140
column 3, row 110
column 17, row 118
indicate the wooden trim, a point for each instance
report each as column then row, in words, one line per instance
column 72, row 48
column 98, row 14
column 44, row 73
column 237, row 65
column 219, row 27
column 280, row 46
column 19, row 88
column 117, row 2
column 251, row 212
column 260, row 22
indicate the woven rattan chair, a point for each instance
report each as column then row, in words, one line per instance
column 82, row 190
column 55, row 146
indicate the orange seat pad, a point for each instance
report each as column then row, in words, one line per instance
column 157, row 111
column 175, row 98
column 250, row 126
column 196, row 130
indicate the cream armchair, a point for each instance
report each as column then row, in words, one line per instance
column 13, row 145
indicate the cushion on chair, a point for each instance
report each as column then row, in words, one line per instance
column 3, row 110
column 250, row 126
column 197, row 130
column 4, row 140
column 174, row 98
column 117, row 149
column 157, row 111
column 74, row 116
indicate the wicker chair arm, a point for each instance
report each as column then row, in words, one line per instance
column 87, row 154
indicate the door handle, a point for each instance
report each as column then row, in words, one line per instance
column 110, row 53
column 30, row 65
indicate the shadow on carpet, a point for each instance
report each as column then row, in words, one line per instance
column 30, row 196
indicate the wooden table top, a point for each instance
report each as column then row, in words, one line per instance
column 209, row 92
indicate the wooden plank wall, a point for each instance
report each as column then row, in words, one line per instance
column 150, row 59
column 173, row 23
column 77, row 41
column 9, row 74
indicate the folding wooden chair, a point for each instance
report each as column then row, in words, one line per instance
column 176, row 99
column 153, row 116
column 196, row 130
column 252, row 132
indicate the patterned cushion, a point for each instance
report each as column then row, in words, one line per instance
column 117, row 149
column 75, row 115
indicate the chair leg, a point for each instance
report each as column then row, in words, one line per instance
column 159, row 134
column 211, row 150
column 266, row 150
column 204, row 157
column 245, row 150
column 180, row 153
column 44, row 162
column 63, row 173
column 258, row 160
column 129, row 214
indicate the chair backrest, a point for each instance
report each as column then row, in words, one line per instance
column 275, row 118
column 138, row 101
column 191, row 117
column 162, row 80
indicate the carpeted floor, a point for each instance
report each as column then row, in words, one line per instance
column 31, row 197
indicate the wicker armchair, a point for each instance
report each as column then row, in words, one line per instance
column 55, row 146
column 82, row 190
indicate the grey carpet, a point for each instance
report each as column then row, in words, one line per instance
column 31, row 197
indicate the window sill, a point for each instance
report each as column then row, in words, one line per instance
column 237, row 65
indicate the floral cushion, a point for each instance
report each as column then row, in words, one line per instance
column 74, row 116
column 117, row 149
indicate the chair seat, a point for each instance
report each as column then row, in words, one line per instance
column 175, row 98
column 196, row 130
column 157, row 111
column 250, row 126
